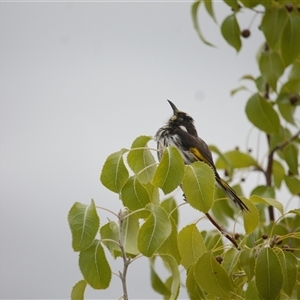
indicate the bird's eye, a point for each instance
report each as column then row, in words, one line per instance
column 180, row 119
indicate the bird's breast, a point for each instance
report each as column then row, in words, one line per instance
column 165, row 138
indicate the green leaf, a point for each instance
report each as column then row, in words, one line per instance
column 293, row 184
column 154, row 231
column 94, row 266
column 223, row 158
column 130, row 233
column 291, row 87
column 175, row 277
column 84, row 223
column 78, row 290
column 213, row 241
column 156, row 283
column 251, row 292
column 212, row 277
column 290, row 42
column 269, row 201
column 170, row 245
column 141, row 160
column 264, row 191
column 169, row 172
column 251, row 217
column 236, row 159
column 114, row 173
column 277, row 173
column 153, row 193
column 268, row 272
column 247, row 261
column 295, row 211
column 287, row 111
column 135, row 195
column 222, row 209
column 233, row 4
column 194, row 12
column 260, row 84
column 272, row 25
column 261, row 114
column 191, row 245
column 199, row 185
column 295, row 71
column 278, row 139
column 231, row 32
column 209, row 9
column 168, row 283
column 193, row 289
column 290, row 153
column 271, row 67
column 230, row 260
column 238, row 89
column 109, row 233
column 250, row 3
column 248, row 77
column 169, row 205
column 289, row 266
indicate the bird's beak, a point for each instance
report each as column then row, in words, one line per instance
column 175, row 109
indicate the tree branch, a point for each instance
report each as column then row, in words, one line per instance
column 268, row 176
column 223, row 231
column 268, row 171
column 285, row 143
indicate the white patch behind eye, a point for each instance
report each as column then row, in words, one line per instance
column 183, row 128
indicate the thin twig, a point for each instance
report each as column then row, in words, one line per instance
column 268, row 176
column 126, row 261
column 223, row 231
column 285, row 143
column 268, row 171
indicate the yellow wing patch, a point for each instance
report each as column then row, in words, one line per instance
column 198, row 155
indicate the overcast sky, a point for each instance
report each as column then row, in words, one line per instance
column 78, row 82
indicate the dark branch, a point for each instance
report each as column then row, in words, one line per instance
column 285, row 143
column 224, row 232
column 268, row 176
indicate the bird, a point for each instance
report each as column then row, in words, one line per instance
column 181, row 132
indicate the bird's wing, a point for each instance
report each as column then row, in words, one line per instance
column 202, row 152
column 197, row 147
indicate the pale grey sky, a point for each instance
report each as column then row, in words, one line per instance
column 79, row 81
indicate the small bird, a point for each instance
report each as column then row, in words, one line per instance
column 181, row 133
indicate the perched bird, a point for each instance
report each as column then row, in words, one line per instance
column 181, row 133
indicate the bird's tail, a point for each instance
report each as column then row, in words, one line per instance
column 231, row 193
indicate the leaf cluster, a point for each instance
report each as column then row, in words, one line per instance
column 272, row 106
column 148, row 226
column 265, row 262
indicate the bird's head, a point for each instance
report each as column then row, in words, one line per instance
column 182, row 120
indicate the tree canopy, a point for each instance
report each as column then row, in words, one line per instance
column 261, row 261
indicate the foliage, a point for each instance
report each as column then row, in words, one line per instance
column 262, row 262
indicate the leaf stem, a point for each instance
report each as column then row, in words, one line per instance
column 103, row 208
